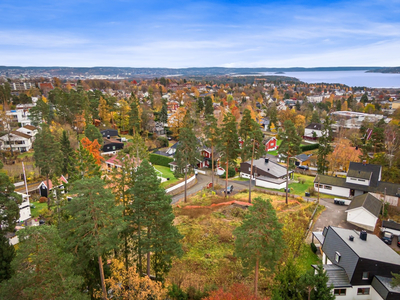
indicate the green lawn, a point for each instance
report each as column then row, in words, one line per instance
column 25, row 154
column 307, row 258
column 166, row 173
column 38, row 207
column 300, row 188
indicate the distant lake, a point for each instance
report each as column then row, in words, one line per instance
column 350, row 78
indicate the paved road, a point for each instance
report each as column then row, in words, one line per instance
column 202, row 181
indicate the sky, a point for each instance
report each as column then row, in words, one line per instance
column 180, row 34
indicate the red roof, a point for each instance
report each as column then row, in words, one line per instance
column 61, row 180
column 46, row 85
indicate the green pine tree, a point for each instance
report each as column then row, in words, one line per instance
column 47, row 155
column 315, row 117
column 212, row 133
column 288, row 283
column 67, row 153
column 41, row 268
column 95, row 221
column 83, row 165
column 134, row 118
column 229, row 145
column 209, row 108
column 325, row 148
column 259, row 240
column 7, row 254
column 8, row 203
column 322, row 291
column 164, row 113
column 290, row 146
column 93, row 133
column 152, row 219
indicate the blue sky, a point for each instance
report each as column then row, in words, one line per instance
column 153, row 33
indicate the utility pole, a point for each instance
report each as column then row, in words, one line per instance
column 318, row 190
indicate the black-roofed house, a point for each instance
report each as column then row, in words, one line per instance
column 391, row 226
column 302, row 160
column 364, row 211
column 361, row 178
column 109, row 133
column 266, row 173
column 313, row 131
column 111, row 145
column 359, row 265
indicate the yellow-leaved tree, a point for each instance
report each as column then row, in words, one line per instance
column 175, row 121
column 128, row 284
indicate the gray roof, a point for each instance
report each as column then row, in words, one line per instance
column 359, row 174
column 392, row 189
column 366, row 168
column 369, row 202
column 373, row 248
column 315, row 126
column 302, row 157
column 391, row 225
column 270, row 167
column 337, row 276
column 387, row 284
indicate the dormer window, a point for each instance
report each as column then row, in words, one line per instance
column 337, row 256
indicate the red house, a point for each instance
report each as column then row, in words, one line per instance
column 271, row 144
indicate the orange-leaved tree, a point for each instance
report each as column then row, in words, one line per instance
column 93, row 148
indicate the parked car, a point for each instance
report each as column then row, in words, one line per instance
column 230, row 189
column 387, row 237
column 303, row 168
column 398, row 241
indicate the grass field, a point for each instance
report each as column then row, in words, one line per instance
column 38, row 207
column 166, row 173
column 25, row 154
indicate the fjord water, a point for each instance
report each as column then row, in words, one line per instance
column 350, row 78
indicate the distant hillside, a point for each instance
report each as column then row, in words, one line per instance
column 15, row 71
column 385, row 70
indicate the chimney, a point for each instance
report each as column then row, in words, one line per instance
column 351, row 238
column 266, row 160
column 364, row 162
column 363, row 235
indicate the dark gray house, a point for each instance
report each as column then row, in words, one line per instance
column 112, row 145
column 109, row 133
column 359, row 265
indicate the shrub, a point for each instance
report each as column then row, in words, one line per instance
column 231, row 173
column 309, row 147
column 160, row 160
column 163, row 141
column 43, row 200
column 311, row 190
column 313, row 248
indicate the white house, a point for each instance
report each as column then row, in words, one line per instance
column 24, row 208
column 364, row 211
column 313, row 131
column 19, row 139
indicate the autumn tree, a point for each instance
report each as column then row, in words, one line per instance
column 121, row 116
column 238, row 291
column 229, row 144
column 128, row 284
column 104, row 110
column 259, row 240
column 175, row 121
column 342, row 155
column 94, row 148
column 84, row 165
column 94, row 224
column 290, row 146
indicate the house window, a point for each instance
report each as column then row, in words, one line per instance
column 328, row 187
column 249, row 169
column 365, row 275
column 339, row 292
column 337, row 256
column 363, row 291
column 363, row 180
column 113, row 147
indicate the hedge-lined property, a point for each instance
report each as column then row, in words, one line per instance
column 157, row 159
column 309, row 147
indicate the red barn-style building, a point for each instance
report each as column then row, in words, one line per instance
column 271, row 144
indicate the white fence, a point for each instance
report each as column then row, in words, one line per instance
column 180, row 184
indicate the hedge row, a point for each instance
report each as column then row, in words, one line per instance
column 157, row 159
column 309, row 147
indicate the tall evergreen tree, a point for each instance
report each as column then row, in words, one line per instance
column 42, row 270
column 187, row 154
column 93, row 133
column 134, row 116
column 5, row 94
column 212, row 133
column 40, row 112
column 95, row 221
column 8, row 203
column 288, row 283
column 209, row 108
column 322, row 291
column 152, row 217
column 315, row 117
column 229, row 145
column 7, row 254
column 164, row 113
column 200, row 105
column 290, row 146
column 67, row 153
column 47, row 155
column 325, row 148
column 252, row 142
column 83, row 165
column 259, row 238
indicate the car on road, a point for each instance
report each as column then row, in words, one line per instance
column 229, row 189
column 398, row 241
column 387, row 237
column 305, row 168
